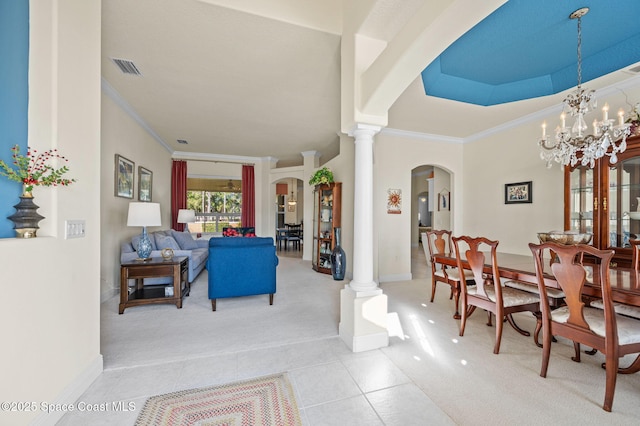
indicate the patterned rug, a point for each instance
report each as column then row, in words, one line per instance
column 266, row 401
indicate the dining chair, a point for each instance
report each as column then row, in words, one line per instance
column 602, row 329
column 621, row 308
column 439, row 242
column 294, row 235
column 488, row 292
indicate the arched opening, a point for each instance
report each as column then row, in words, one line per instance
column 430, row 209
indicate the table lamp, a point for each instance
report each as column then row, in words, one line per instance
column 186, row 216
column 144, row 214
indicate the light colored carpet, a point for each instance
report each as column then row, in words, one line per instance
column 305, row 307
column 265, row 401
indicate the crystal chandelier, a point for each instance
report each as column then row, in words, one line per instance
column 573, row 145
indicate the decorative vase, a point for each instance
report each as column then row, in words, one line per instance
column 25, row 219
column 338, row 259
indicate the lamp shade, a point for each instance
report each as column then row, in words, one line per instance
column 186, row 216
column 144, row 214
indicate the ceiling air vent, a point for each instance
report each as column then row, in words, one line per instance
column 182, row 141
column 126, row 66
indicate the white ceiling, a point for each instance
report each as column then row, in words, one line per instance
column 236, row 83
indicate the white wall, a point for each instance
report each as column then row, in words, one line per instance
column 395, row 157
column 122, row 135
column 51, row 286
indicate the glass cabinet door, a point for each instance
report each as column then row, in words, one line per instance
column 581, row 200
column 623, row 204
column 316, row 215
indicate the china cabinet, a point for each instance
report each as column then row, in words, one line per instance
column 605, row 201
column 327, row 204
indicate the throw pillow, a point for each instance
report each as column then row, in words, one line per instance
column 166, row 242
column 185, row 240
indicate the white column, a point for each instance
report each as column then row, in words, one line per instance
column 363, row 209
column 363, row 307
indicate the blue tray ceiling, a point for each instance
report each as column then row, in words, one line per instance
column 528, row 49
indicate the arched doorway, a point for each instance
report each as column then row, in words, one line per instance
column 430, row 209
column 289, row 213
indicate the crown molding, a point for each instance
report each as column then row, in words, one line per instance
column 108, row 90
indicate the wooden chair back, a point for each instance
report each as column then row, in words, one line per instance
column 439, row 242
column 472, row 250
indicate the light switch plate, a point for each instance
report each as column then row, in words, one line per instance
column 74, row 229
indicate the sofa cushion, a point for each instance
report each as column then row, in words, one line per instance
column 185, row 240
column 126, row 247
column 163, row 241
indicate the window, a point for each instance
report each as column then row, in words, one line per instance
column 217, row 203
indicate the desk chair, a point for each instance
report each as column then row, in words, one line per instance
column 602, row 329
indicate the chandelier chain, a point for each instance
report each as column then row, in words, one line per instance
column 579, row 52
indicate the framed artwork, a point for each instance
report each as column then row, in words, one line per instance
column 291, row 208
column 124, row 177
column 515, row 193
column 145, row 182
column 394, row 201
column 444, row 201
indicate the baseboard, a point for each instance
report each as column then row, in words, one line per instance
column 108, row 294
column 364, row 343
column 395, row 277
column 72, row 392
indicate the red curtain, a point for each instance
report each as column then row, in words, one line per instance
column 248, row 196
column 178, row 192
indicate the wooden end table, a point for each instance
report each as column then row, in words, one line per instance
column 176, row 267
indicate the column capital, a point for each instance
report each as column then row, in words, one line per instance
column 310, row 154
column 364, row 128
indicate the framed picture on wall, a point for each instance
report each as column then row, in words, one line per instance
column 394, row 201
column 124, row 170
column 145, row 182
column 520, row 192
column 444, row 201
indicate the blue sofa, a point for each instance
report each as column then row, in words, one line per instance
column 241, row 266
column 182, row 244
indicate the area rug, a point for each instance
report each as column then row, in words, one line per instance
column 266, row 401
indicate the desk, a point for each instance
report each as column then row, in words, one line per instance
column 625, row 283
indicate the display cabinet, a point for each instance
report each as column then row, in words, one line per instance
column 605, row 201
column 327, row 204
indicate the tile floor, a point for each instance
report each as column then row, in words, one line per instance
column 333, row 385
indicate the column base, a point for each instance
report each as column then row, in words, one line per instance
column 363, row 319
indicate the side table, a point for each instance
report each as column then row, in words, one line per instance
column 176, row 268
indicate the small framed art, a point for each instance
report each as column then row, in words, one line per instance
column 394, row 201
column 515, row 193
column 444, row 201
column 145, row 184
column 124, row 170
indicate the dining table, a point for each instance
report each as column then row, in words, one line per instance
column 625, row 282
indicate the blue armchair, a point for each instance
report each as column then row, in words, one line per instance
column 241, row 266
